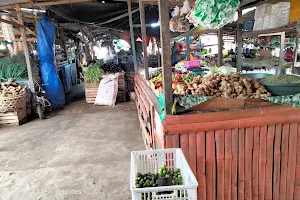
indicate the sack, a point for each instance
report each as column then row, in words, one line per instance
column 108, row 90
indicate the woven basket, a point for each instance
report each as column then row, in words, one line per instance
column 12, row 103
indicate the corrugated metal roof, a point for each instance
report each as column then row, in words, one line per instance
column 9, row 2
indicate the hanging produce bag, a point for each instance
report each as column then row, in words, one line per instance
column 45, row 43
column 183, row 22
column 213, row 14
column 174, row 19
column 107, row 91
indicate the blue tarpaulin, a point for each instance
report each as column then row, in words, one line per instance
column 45, row 42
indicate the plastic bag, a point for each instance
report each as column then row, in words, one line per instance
column 185, row 8
column 174, row 19
column 108, row 90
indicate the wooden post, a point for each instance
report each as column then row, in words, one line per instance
column 132, row 36
column 163, row 7
column 144, row 37
column 63, row 42
column 220, row 47
column 239, row 40
column 25, row 48
column 296, row 52
column 282, row 38
column 86, row 47
column 187, row 44
column 158, row 52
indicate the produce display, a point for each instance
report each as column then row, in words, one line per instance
column 281, row 79
column 11, row 89
column 154, row 180
column 13, row 67
column 213, row 14
column 93, row 74
column 111, row 67
column 220, row 85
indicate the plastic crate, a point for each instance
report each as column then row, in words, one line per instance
column 151, row 161
column 194, row 63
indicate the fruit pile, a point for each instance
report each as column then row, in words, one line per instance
column 111, row 67
column 151, row 179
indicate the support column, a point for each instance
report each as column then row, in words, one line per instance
column 144, row 37
column 132, row 36
column 25, row 48
column 239, row 41
column 296, row 51
column 282, row 38
column 164, row 18
column 158, row 52
column 220, row 47
column 187, row 45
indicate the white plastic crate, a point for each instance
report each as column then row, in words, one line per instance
column 150, row 161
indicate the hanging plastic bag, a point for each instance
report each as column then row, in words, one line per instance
column 107, row 91
column 183, row 22
column 174, row 19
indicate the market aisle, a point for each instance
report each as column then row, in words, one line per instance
column 82, row 149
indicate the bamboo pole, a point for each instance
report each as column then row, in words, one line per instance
column 132, row 36
column 282, row 38
column 187, row 42
column 25, row 48
column 220, row 47
column 144, row 37
column 296, row 52
column 239, row 41
column 164, row 18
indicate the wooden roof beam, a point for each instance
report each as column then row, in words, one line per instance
column 41, row 4
column 10, row 22
column 26, row 28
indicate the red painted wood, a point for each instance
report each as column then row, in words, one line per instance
column 201, row 148
column 297, row 173
column 291, row 161
column 262, row 162
column 277, row 156
column 234, row 166
column 228, row 163
column 284, row 158
column 220, row 152
column 210, row 166
column 184, row 144
column 192, row 152
column 241, row 170
column 248, row 162
column 175, row 141
column 255, row 177
column 269, row 164
column 229, row 115
column 228, row 124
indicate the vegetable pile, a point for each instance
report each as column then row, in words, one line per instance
column 220, row 85
column 152, row 180
column 111, row 67
column 13, row 67
column 281, row 79
column 11, row 89
column 93, row 74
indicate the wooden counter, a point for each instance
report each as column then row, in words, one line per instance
column 244, row 153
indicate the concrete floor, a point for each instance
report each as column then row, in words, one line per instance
column 82, row 152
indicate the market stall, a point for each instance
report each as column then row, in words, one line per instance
column 240, row 140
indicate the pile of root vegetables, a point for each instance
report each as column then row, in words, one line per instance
column 220, row 85
column 11, row 89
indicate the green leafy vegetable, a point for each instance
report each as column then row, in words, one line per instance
column 93, row 74
column 13, row 67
